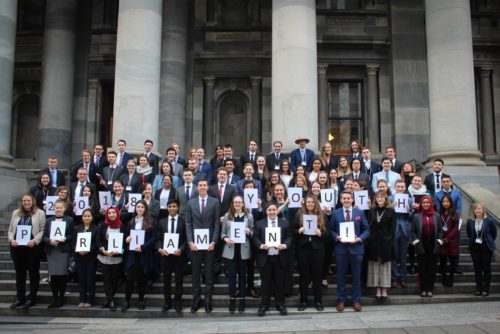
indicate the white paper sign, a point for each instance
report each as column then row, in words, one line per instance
column 132, row 201
column 273, row 236
column 310, row 223
column 328, row 198
column 23, row 234
column 361, row 199
column 346, row 231
column 57, row 230
column 81, row 203
column 251, row 196
column 238, row 232
column 83, row 240
column 295, row 196
column 115, row 242
column 170, row 242
column 105, row 199
column 401, row 202
column 136, row 239
column 49, row 205
column 201, row 238
column 460, row 224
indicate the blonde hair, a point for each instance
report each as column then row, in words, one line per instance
column 476, row 205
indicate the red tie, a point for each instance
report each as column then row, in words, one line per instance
column 220, row 192
column 347, row 216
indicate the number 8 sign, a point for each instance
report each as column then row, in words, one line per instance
column 132, row 201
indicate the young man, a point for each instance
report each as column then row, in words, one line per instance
column 204, row 168
column 222, row 191
column 301, row 155
column 433, row 181
column 111, row 173
column 172, row 262
column 369, row 166
column 231, row 177
column 99, row 158
column 153, row 160
column 186, row 191
column 76, row 188
column 228, row 154
column 122, row 157
column 274, row 158
column 203, row 212
column 386, row 174
column 176, row 166
column 455, row 195
column 390, row 152
column 178, row 157
column 248, row 173
column 347, row 253
column 56, row 176
column 272, row 261
column 89, row 166
column 250, row 155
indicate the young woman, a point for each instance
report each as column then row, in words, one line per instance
column 310, row 251
column 42, row 189
column 316, row 168
column 285, row 172
column 139, row 262
column 111, row 262
column 166, row 169
column 153, row 204
column 274, row 179
column 62, row 193
column 131, row 180
column 301, row 182
column 218, row 159
column 237, row 254
column 328, row 160
column 58, row 251
column 426, row 235
column 94, row 206
column 26, row 258
column 407, row 173
column 382, row 221
column 145, row 170
column 86, row 262
column 343, row 168
column 449, row 248
column 481, row 232
column 299, row 171
column 164, row 194
column 261, row 170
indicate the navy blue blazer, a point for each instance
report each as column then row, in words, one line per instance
column 147, row 249
column 296, row 159
column 489, row 232
column 361, row 229
column 126, row 157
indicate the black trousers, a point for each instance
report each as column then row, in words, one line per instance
column 172, row 265
column 237, row 267
column 272, row 274
column 482, row 268
column 310, row 269
column 135, row 274
column 427, row 265
column 86, row 267
column 250, row 263
column 443, row 259
column 327, row 260
column 111, row 274
column 26, row 260
column 198, row 259
column 58, row 286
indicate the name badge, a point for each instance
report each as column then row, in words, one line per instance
column 128, row 188
column 304, row 163
column 445, row 228
column 276, row 167
column 479, row 241
column 110, row 183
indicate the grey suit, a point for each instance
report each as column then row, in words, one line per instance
column 181, row 196
column 246, row 250
column 209, row 220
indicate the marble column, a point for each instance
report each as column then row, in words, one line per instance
column 8, row 16
column 255, row 119
column 294, row 72
column 208, row 115
column 137, row 74
column 173, row 74
column 487, row 120
column 323, row 129
column 373, row 134
column 451, row 82
column 56, row 105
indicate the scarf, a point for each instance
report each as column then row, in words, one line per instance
column 114, row 224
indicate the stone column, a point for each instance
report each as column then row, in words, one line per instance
column 323, row 129
column 8, row 16
column 137, row 75
column 255, row 120
column 56, row 105
column 451, row 82
column 173, row 75
column 294, row 72
column 208, row 115
column 373, row 134
column 487, row 121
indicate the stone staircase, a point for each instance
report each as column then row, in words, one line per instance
column 462, row 291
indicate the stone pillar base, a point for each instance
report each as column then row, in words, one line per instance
column 458, row 158
column 6, row 161
column 14, row 184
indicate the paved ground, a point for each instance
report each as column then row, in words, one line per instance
column 456, row 318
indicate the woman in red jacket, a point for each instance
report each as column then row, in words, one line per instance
column 449, row 248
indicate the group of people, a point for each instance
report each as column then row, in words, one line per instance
column 203, row 213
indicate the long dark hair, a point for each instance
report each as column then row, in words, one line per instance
column 452, row 211
column 147, row 222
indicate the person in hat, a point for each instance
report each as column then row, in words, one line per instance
column 301, row 155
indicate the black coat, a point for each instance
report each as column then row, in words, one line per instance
column 380, row 242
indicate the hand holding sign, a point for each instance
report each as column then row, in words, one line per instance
column 23, row 234
column 83, row 240
column 57, row 230
column 132, row 201
column 347, row 232
column 238, row 233
column 401, row 202
column 49, row 205
column 81, row 203
column 251, row 196
column 310, row 224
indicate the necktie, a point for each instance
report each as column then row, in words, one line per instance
column 96, row 160
column 220, row 192
column 82, row 185
column 120, row 159
column 202, row 206
column 355, row 176
column 187, row 192
column 387, row 176
column 277, row 156
column 303, row 154
column 347, row 216
column 273, row 223
column 54, row 177
column 172, row 223
column 438, row 185
column 229, row 179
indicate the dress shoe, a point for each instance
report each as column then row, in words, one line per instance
column 53, row 304
column 178, row 307
column 319, row 307
column 262, row 310
column 283, row 310
column 458, row 272
column 357, row 307
column 125, row 306
column 196, row 306
column 411, row 270
column 208, row 307
column 17, row 303
column 59, row 304
column 232, row 305
column 166, row 307
column 241, row 305
column 403, row 284
column 253, row 294
column 28, row 304
column 141, row 306
column 106, row 304
column 394, row 284
column 340, row 307
column 302, row 306
column 478, row 293
column 485, row 294
column 112, row 306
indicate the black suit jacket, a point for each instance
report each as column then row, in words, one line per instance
column 227, row 198
column 271, row 161
column 61, row 177
column 163, row 227
column 259, row 239
column 171, row 195
column 245, row 158
column 92, row 172
column 396, row 167
column 430, row 182
column 72, row 188
column 107, row 175
column 135, row 183
column 93, row 240
column 374, row 168
column 103, row 162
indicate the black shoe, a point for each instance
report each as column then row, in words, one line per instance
column 112, row 306
column 17, row 303
column 166, row 307
column 60, row 303
column 29, row 304
column 458, row 272
column 485, row 294
column 262, row 310
column 319, row 307
column 232, row 305
column 141, row 306
column 253, row 294
column 283, row 310
column 196, row 306
column 444, row 280
column 178, row 307
column 53, row 304
column 411, row 270
column 302, row 307
column 125, row 306
column 106, row 304
column 478, row 293
column 208, row 307
column 241, row 305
